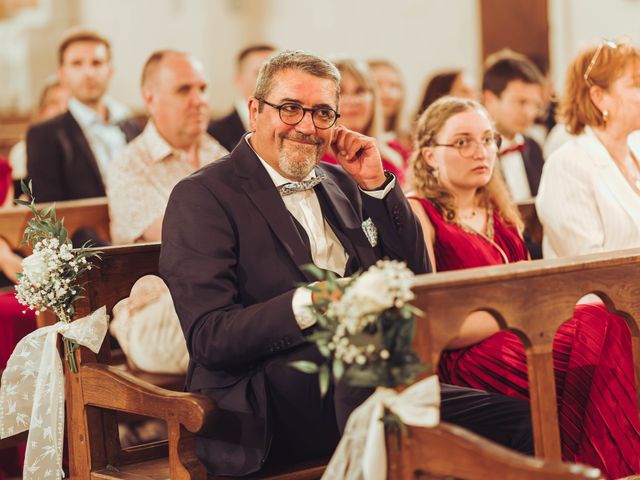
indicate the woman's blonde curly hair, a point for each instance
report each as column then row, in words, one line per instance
column 426, row 184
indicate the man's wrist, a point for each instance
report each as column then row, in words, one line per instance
column 378, row 184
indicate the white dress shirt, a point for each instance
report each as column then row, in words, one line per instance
column 326, row 250
column 106, row 139
column 514, row 171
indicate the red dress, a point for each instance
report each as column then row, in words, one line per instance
column 592, row 354
column 13, row 326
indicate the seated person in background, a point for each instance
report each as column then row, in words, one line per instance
column 589, row 199
column 235, row 237
column 360, row 111
column 14, row 324
column 230, row 129
column 468, row 221
column 392, row 94
column 68, row 155
column 512, row 89
column 453, row 82
column 173, row 145
column 53, row 102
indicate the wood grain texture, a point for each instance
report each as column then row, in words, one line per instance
column 532, row 299
column 88, row 212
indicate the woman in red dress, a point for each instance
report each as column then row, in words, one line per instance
column 360, row 111
column 13, row 323
column 469, row 221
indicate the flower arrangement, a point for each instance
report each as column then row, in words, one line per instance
column 49, row 280
column 365, row 327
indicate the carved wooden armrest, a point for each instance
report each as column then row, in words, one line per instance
column 108, row 387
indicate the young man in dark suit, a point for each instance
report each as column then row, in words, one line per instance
column 512, row 88
column 236, row 235
column 229, row 130
column 68, row 155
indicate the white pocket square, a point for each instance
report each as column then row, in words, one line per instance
column 370, row 230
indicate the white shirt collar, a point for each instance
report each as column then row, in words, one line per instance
column 277, row 178
column 85, row 116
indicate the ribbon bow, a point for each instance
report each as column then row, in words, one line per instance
column 295, row 187
column 32, row 391
column 361, row 453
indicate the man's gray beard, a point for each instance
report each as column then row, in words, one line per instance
column 297, row 164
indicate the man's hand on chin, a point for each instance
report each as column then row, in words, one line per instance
column 359, row 157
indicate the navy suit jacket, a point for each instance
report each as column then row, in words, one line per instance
column 533, row 163
column 227, row 130
column 232, row 257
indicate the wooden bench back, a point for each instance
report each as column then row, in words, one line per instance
column 533, row 299
column 88, row 212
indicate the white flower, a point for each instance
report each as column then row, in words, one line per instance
column 34, row 267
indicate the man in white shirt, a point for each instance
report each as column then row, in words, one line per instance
column 68, row 156
column 230, row 129
column 236, row 235
column 512, row 88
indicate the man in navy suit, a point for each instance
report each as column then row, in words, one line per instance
column 68, row 155
column 235, row 236
column 229, row 129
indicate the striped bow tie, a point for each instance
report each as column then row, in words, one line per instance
column 295, row 187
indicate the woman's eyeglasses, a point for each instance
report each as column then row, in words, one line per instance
column 604, row 43
column 469, row 146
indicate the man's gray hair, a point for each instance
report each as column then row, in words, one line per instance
column 295, row 60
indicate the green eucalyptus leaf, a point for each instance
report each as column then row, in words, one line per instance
column 304, row 366
column 323, row 378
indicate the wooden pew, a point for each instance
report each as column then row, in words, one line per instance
column 449, row 451
column 99, row 391
column 533, row 299
column 88, row 212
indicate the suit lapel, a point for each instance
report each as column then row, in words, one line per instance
column 610, row 176
column 533, row 162
column 348, row 229
column 260, row 189
column 77, row 136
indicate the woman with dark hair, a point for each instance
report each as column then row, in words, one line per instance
column 452, row 82
column 469, row 221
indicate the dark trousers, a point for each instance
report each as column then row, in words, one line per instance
column 306, row 426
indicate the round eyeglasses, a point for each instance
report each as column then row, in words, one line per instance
column 469, row 146
column 293, row 113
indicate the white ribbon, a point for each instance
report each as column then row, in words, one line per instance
column 32, row 391
column 361, row 453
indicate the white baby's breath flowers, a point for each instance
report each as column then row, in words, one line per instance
column 47, row 278
column 385, row 285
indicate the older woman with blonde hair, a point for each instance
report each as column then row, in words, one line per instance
column 589, row 196
column 361, row 111
column 469, row 221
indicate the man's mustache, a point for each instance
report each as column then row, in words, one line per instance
column 301, row 137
